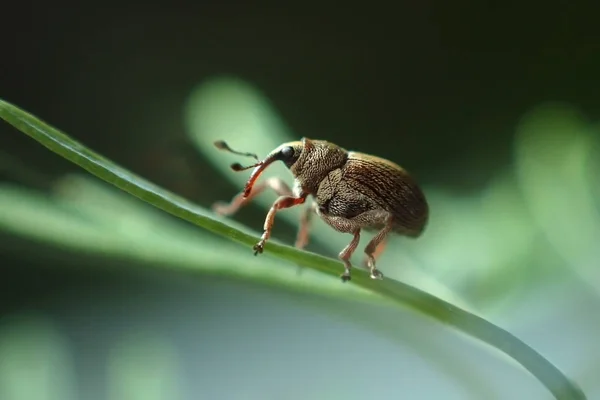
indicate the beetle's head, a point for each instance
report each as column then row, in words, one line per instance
column 288, row 153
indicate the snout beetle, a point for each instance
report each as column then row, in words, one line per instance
column 350, row 191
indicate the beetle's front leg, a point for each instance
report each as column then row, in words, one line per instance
column 281, row 203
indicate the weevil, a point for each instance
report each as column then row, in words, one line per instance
column 350, row 191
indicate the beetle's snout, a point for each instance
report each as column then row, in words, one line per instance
column 258, row 169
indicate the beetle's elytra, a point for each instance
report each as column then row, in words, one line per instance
column 350, row 191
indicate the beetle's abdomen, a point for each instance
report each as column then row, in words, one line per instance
column 389, row 187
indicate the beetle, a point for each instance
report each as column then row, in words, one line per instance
column 350, row 191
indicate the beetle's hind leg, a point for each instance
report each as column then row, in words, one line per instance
column 346, row 254
column 372, row 249
column 275, row 184
column 377, row 253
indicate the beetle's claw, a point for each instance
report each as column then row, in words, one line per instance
column 346, row 276
column 259, row 247
column 376, row 274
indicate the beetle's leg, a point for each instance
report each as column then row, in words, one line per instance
column 305, row 220
column 281, row 203
column 346, row 254
column 304, row 229
column 374, row 243
column 377, row 253
column 275, row 184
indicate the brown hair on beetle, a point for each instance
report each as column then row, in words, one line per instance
column 351, row 192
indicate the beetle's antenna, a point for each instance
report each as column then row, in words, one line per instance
column 222, row 145
column 238, row 167
column 259, row 167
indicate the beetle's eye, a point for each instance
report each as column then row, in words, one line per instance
column 287, row 152
column 288, row 155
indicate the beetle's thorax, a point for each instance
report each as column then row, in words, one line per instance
column 315, row 162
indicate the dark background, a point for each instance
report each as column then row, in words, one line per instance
column 435, row 85
column 445, row 82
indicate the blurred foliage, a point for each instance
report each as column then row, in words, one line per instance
column 34, row 360
column 482, row 253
